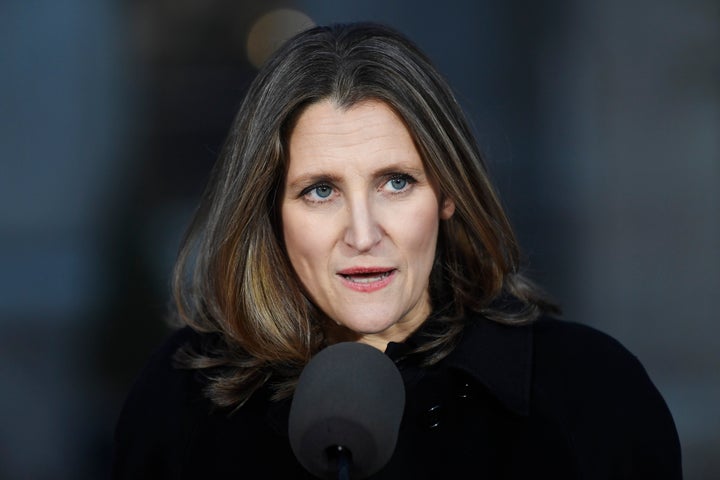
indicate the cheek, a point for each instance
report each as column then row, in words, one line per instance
column 292, row 235
column 303, row 242
column 418, row 232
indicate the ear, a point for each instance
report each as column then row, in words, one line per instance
column 447, row 208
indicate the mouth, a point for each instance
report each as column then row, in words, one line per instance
column 366, row 279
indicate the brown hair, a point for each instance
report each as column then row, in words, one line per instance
column 233, row 279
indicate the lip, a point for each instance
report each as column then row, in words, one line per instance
column 366, row 279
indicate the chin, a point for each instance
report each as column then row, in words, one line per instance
column 366, row 324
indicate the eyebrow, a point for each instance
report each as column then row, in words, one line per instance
column 320, row 176
column 311, row 178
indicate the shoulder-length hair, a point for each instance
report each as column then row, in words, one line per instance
column 233, row 279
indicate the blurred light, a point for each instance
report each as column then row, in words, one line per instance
column 271, row 30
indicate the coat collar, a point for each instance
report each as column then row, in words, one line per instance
column 499, row 357
column 495, row 355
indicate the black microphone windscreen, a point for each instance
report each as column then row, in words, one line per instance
column 350, row 395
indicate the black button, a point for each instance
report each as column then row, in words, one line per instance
column 465, row 391
column 432, row 417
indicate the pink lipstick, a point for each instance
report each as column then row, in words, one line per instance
column 366, row 279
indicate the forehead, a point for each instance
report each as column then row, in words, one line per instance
column 325, row 130
column 326, row 113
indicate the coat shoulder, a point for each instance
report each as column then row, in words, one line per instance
column 582, row 367
column 158, row 413
column 160, row 380
column 601, row 393
column 581, row 348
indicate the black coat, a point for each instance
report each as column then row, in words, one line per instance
column 548, row 400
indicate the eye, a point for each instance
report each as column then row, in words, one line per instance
column 323, row 191
column 399, row 183
column 318, row 193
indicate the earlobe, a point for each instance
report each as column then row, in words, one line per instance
column 447, row 208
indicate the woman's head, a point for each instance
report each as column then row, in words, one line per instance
column 244, row 284
column 360, row 218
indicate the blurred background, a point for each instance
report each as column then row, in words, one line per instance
column 600, row 122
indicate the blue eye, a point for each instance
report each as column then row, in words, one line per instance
column 323, row 191
column 318, row 192
column 398, row 183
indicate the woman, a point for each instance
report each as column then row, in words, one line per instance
column 350, row 203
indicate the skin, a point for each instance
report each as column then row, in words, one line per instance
column 360, row 219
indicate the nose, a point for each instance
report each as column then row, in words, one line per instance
column 363, row 231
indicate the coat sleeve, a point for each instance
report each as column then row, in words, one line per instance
column 151, row 430
column 617, row 419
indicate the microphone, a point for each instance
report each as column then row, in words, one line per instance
column 347, row 406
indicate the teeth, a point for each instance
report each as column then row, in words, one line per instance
column 367, row 278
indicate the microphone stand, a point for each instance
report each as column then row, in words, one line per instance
column 342, row 460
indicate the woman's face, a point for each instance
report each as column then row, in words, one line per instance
column 360, row 219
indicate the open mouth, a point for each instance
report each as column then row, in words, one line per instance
column 366, row 277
